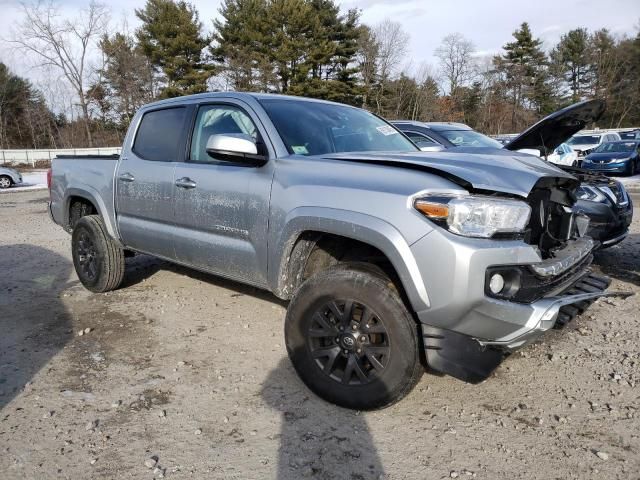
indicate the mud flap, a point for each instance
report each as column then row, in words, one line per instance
column 459, row 355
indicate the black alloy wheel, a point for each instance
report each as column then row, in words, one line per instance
column 88, row 257
column 351, row 338
column 97, row 257
column 349, row 342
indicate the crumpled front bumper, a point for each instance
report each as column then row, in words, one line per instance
column 462, row 317
column 557, row 310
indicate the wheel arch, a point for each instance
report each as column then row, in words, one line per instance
column 308, row 227
column 92, row 197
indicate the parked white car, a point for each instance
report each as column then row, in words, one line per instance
column 584, row 143
column 564, row 155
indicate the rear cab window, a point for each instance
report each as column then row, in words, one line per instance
column 160, row 135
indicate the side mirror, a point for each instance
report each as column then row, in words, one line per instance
column 239, row 148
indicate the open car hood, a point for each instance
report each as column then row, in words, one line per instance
column 494, row 170
column 557, row 128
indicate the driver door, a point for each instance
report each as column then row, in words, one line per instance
column 222, row 207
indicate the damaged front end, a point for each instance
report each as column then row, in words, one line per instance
column 539, row 295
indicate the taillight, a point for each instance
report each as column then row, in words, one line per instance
column 49, row 181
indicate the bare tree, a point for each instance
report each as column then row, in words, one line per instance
column 63, row 43
column 392, row 46
column 456, row 60
column 367, row 58
column 392, row 43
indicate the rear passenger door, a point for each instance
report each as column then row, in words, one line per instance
column 222, row 207
column 145, row 183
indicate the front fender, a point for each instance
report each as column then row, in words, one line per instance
column 357, row 226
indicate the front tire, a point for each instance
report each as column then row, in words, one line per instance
column 97, row 258
column 352, row 340
column 5, row 182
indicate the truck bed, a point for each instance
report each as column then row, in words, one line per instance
column 85, row 176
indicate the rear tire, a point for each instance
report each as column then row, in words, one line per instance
column 5, row 181
column 97, row 258
column 352, row 340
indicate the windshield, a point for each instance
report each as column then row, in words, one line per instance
column 616, row 147
column 584, row 140
column 309, row 128
column 469, row 138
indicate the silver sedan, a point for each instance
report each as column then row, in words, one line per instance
column 9, row 177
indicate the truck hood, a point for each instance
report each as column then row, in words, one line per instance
column 557, row 128
column 495, row 170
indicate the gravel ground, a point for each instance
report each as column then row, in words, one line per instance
column 183, row 375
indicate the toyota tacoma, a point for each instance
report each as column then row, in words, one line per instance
column 392, row 259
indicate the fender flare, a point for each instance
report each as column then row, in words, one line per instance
column 353, row 225
column 92, row 195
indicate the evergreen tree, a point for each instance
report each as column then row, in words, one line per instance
column 572, row 55
column 171, row 37
column 329, row 69
column 25, row 119
column 126, row 78
column 241, row 45
column 521, row 67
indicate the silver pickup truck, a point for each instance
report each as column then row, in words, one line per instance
column 393, row 259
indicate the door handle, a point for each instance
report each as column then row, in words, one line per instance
column 185, row 182
column 126, row 177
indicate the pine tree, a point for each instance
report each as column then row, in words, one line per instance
column 241, row 45
column 329, row 70
column 521, row 67
column 573, row 56
column 126, row 77
column 171, row 37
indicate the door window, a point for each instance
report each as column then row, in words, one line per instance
column 218, row 120
column 420, row 140
column 159, row 134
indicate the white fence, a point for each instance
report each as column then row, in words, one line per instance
column 32, row 156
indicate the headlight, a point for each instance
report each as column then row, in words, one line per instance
column 593, row 194
column 619, row 160
column 475, row 216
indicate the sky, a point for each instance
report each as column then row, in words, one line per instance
column 489, row 24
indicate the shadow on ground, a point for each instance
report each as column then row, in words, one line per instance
column 622, row 261
column 142, row 267
column 318, row 439
column 34, row 324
